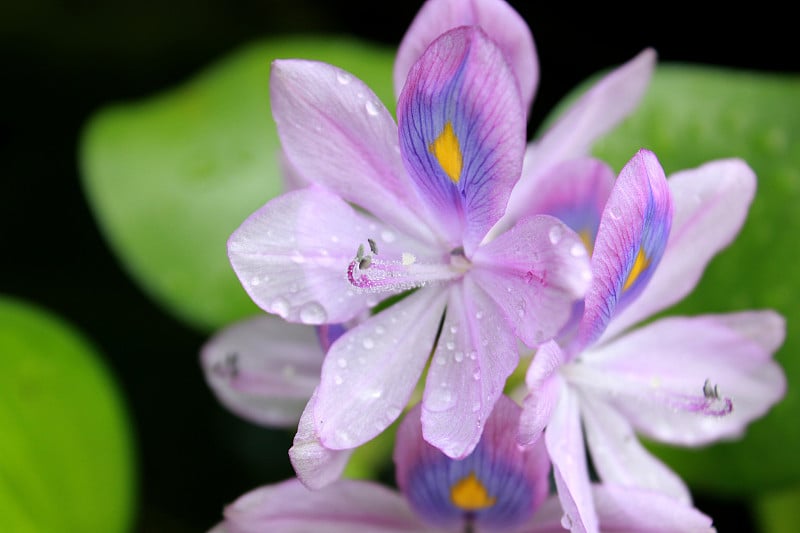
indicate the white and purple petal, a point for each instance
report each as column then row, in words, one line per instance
column 371, row 371
column 503, row 483
column 564, row 440
column 535, row 272
column 335, row 132
column 462, row 133
column 575, row 192
column 618, row 456
column 475, row 354
column 621, row 509
column 347, row 506
column 572, row 135
column 630, row 242
column 496, row 17
column 292, row 255
column 544, row 388
column 264, row 369
column 689, row 381
column 315, row 465
column 711, row 203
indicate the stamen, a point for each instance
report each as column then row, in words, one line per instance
column 377, row 275
column 372, row 246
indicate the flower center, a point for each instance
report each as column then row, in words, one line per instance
column 370, row 273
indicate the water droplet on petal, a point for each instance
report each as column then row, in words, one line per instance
column 476, row 374
column 388, row 236
column 343, row 77
column 555, row 234
column 614, row 213
column 255, row 281
column 459, row 356
column 577, row 250
column 280, row 306
column 313, row 313
column 372, row 108
column 453, row 329
column 297, row 257
column 451, row 345
column 566, row 521
column 375, row 394
column 380, row 330
column 479, row 315
column 440, row 361
column 342, row 362
column 338, row 379
column 368, row 343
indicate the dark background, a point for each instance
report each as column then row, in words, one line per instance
column 61, row 61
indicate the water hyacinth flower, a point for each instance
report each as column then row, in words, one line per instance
column 498, row 487
column 427, row 191
column 685, row 381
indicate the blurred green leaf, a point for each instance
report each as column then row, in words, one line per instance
column 66, row 458
column 170, row 178
column 776, row 512
column 690, row 115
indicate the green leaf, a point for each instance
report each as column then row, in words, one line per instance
column 776, row 512
column 170, row 178
column 690, row 115
column 66, row 460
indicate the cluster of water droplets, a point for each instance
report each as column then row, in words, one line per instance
column 373, row 108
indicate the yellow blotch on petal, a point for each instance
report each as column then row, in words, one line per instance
column 641, row 263
column 586, row 238
column 470, row 494
column 448, row 152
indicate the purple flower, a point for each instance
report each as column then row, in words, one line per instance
column 680, row 380
column 498, row 487
column 405, row 209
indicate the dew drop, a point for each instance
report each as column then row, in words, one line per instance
column 577, row 250
column 334, row 238
column 451, row 345
column 368, row 343
column 476, row 374
column 614, row 213
column 479, row 315
column 473, row 355
column 255, row 282
column 343, row 77
column 393, row 412
column 459, row 356
column 313, row 313
column 440, row 360
column 380, row 330
column 476, row 406
column 555, row 234
column 297, row 257
column 280, row 306
column 342, row 362
column 453, row 329
column 566, row 521
column 375, row 394
column 338, row 379
column 372, row 108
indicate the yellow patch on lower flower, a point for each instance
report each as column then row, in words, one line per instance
column 470, row 494
column 447, row 151
column 641, row 263
column 586, row 238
